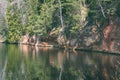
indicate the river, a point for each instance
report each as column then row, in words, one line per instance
column 23, row 62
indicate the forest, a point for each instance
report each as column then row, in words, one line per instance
column 88, row 24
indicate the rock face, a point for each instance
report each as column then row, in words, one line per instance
column 109, row 41
column 106, row 40
column 109, row 36
column 117, row 36
column 2, row 39
column 89, row 38
column 111, row 33
column 33, row 39
column 24, row 39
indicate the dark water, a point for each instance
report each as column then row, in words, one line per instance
column 30, row 63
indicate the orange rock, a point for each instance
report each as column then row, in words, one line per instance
column 108, row 34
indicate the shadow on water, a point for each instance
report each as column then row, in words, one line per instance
column 23, row 62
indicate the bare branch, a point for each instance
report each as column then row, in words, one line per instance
column 61, row 14
column 102, row 10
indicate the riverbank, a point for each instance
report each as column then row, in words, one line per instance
column 48, row 45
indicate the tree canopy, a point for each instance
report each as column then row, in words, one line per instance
column 68, row 16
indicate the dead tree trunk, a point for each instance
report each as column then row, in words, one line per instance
column 61, row 37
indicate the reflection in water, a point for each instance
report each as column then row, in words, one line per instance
column 3, row 61
column 23, row 62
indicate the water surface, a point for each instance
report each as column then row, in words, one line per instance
column 23, row 62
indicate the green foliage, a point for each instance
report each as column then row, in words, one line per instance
column 14, row 23
column 41, row 16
